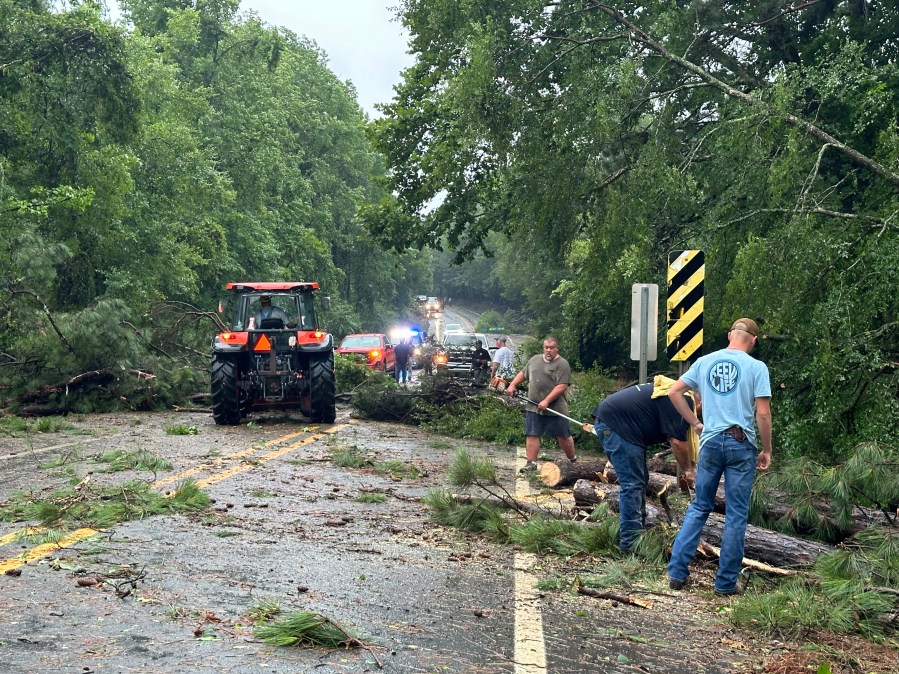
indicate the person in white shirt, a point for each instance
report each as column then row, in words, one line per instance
column 503, row 364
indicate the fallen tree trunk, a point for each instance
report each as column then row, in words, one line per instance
column 587, row 495
column 761, row 544
column 562, row 472
column 769, row 546
column 95, row 377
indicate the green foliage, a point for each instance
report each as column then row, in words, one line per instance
column 86, row 506
column 823, row 498
column 479, row 516
column 141, row 170
column 484, row 418
column 120, row 459
column 181, row 430
column 380, row 398
column 305, row 629
column 467, row 470
column 577, row 151
column 264, row 610
column 18, row 427
column 490, row 321
column 349, row 374
column 371, row 497
column 797, row 607
column 566, row 538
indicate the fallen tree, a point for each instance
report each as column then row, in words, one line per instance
column 763, row 545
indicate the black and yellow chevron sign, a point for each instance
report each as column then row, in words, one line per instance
column 686, row 284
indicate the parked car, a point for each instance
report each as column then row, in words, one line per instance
column 453, row 329
column 374, row 349
column 456, row 351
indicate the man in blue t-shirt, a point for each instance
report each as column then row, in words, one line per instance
column 735, row 391
column 627, row 422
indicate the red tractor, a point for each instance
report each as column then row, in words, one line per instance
column 274, row 356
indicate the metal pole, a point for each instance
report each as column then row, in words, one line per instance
column 644, row 329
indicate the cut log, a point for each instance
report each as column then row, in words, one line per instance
column 562, row 473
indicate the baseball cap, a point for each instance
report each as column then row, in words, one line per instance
column 746, row 325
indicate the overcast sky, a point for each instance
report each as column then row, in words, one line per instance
column 363, row 40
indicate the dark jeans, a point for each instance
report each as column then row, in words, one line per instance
column 402, row 372
column 720, row 455
column 630, row 467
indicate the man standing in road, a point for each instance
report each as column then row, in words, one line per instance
column 548, row 376
column 736, row 395
column 402, row 353
column 627, row 422
column 503, row 365
column 480, row 362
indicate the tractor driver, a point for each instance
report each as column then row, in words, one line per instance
column 267, row 310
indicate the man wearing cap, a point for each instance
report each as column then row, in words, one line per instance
column 736, row 396
column 267, row 310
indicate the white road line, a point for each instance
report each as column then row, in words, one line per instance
column 530, row 646
column 42, row 450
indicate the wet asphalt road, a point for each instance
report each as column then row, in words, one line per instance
column 286, row 526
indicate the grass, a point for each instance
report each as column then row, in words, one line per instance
column 18, row 427
column 182, row 430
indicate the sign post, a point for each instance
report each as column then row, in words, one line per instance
column 644, row 325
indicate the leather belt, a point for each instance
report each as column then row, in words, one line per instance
column 736, row 433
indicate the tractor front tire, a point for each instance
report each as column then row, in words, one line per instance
column 324, row 410
column 225, row 393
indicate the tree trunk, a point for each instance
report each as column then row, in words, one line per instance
column 763, row 545
column 587, row 495
column 562, row 473
column 769, row 546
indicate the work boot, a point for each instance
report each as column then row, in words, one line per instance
column 675, row 584
column 528, row 467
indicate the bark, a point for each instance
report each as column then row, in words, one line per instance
column 768, row 546
column 95, row 377
column 587, row 495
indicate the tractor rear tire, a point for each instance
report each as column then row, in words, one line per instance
column 324, row 410
column 225, row 393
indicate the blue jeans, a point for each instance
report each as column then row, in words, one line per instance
column 720, row 455
column 402, row 372
column 630, row 466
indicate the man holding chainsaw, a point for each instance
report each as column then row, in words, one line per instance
column 627, row 422
column 548, row 376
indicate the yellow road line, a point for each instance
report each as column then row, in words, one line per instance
column 46, row 549
column 81, row 534
column 15, row 535
column 242, row 468
column 530, row 645
column 184, row 474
